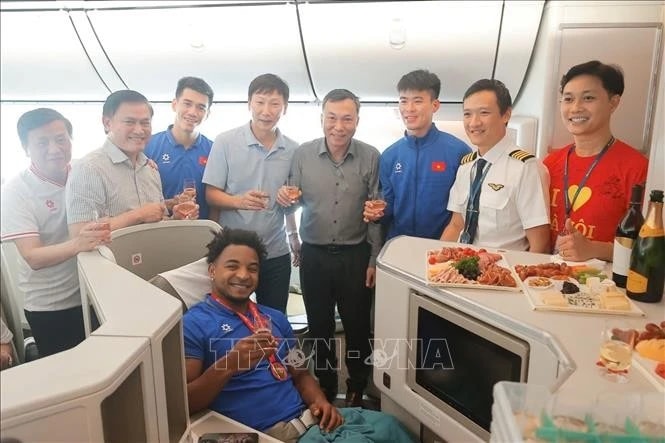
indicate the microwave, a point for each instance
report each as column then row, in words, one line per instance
column 456, row 359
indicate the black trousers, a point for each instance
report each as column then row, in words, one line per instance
column 274, row 279
column 56, row 331
column 332, row 275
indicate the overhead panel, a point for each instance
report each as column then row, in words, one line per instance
column 367, row 47
column 519, row 29
column 227, row 46
column 42, row 59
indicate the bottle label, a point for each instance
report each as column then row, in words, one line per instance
column 648, row 231
column 621, row 256
column 636, row 283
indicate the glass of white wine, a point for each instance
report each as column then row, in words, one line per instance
column 616, row 350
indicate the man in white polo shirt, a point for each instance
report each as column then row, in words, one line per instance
column 116, row 180
column 34, row 218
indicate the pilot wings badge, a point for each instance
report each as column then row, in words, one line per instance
column 495, row 186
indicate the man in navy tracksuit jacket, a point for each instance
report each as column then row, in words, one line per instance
column 417, row 171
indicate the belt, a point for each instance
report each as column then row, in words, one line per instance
column 304, row 422
column 334, row 249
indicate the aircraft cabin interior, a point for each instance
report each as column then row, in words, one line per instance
column 127, row 382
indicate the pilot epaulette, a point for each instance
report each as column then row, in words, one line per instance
column 520, row 155
column 469, row 157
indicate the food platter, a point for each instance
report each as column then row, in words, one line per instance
column 453, row 267
column 649, row 352
column 568, row 294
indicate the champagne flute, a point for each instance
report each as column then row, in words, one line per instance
column 263, row 195
column 262, row 323
column 189, row 189
column 101, row 222
column 292, row 190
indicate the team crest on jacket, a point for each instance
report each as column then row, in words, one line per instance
column 495, row 186
column 398, row 168
column 166, row 158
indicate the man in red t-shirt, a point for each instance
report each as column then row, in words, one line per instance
column 591, row 179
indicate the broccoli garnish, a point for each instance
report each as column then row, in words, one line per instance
column 468, row 267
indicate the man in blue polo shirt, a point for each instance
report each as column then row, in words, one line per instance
column 181, row 152
column 418, row 170
column 238, row 359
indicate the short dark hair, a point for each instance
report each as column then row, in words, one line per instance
column 36, row 119
column 420, row 80
column 117, row 98
column 337, row 95
column 196, row 84
column 610, row 75
column 500, row 91
column 266, row 83
column 228, row 236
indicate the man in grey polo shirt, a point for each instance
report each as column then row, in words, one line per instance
column 116, row 180
column 246, row 167
column 336, row 174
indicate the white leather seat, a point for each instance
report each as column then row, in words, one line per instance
column 151, row 248
column 12, row 297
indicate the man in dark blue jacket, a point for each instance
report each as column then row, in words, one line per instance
column 418, row 170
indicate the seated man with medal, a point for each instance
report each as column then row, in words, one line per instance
column 239, row 356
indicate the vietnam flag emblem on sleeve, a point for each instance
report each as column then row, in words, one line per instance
column 203, row 160
column 438, row 166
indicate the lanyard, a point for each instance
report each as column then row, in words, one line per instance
column 477, row 184
column 277, row 369
column 568, row 204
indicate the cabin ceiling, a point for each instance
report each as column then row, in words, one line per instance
column 82, row 50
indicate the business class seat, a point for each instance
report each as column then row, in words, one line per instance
column 151, row 248
column 171, row 255
column 190, row 283
column 12, row 297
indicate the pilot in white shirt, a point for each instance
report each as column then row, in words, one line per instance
column 512, row 205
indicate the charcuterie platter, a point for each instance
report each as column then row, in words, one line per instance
column 470, row 268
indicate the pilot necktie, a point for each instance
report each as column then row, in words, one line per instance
column 472, row 206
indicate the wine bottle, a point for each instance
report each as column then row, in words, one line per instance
column 626, row 233
column 646, row 275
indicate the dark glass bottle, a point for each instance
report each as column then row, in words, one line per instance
column 646, row 276
column 626, row 233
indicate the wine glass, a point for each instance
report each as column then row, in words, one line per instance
column 616, row 350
